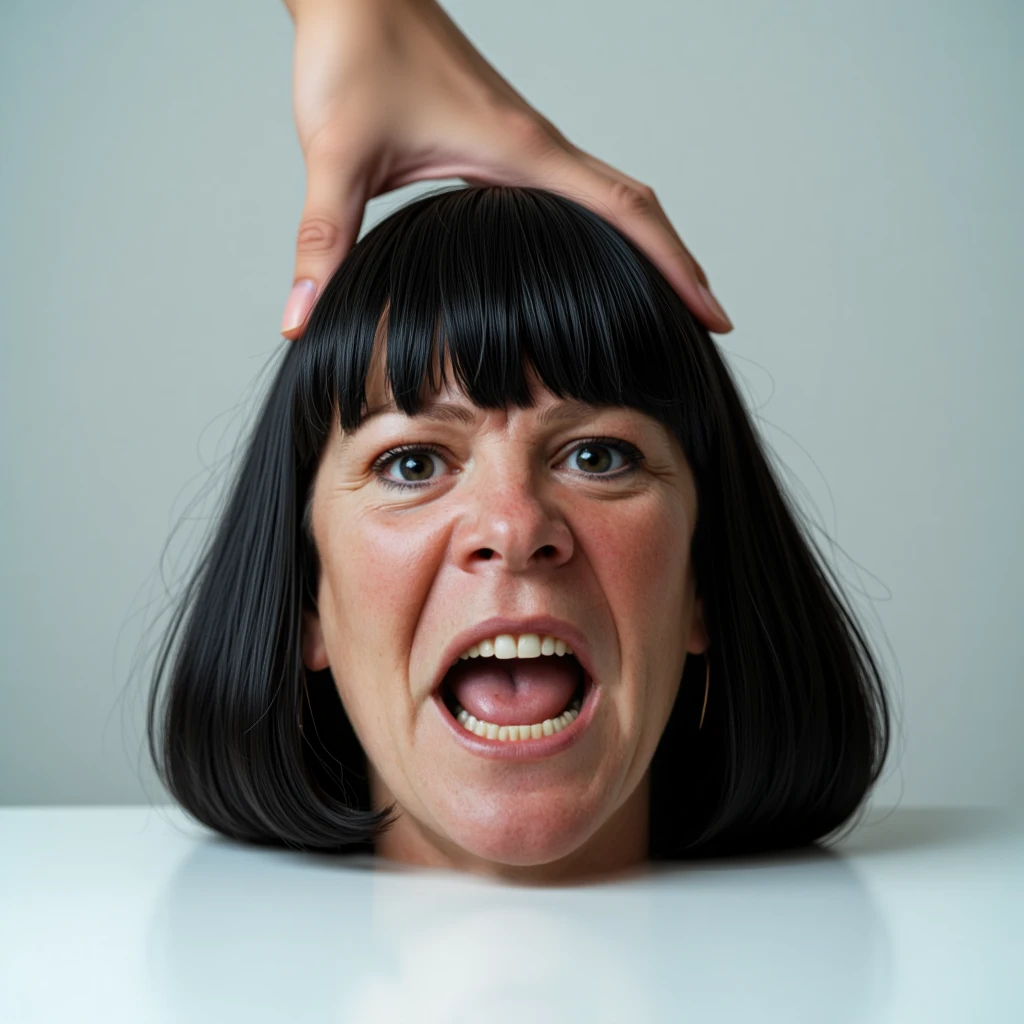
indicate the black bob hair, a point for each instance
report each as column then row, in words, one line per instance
column 259, row 748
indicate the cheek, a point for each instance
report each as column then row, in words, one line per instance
column 366, row 614
column 641, row 551
column 376, row 571
column 641, row 555
column 377, row 574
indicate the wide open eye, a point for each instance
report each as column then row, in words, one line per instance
column 596, row 458
column 415, row 465
column 408, row 465
column 603, row 457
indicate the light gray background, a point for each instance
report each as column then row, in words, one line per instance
column 849, row 175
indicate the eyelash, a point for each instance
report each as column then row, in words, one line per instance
column 630, row 453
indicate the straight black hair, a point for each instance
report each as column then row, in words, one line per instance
column 260, row 749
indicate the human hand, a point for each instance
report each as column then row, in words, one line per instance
column 387, row 92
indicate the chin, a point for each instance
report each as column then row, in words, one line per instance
column 520, row 833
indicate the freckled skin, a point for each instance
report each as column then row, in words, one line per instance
column 403, row 571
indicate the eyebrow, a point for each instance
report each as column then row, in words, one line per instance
column 451, row 412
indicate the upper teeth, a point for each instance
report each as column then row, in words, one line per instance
column 527, row 645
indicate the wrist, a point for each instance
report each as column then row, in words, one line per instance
column 299, row 8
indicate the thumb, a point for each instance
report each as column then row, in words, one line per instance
column 328, row 228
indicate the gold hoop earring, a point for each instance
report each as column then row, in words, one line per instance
column 707, row 681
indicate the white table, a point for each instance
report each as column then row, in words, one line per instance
column 137, row 914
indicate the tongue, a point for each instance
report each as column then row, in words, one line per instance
column 514, row 691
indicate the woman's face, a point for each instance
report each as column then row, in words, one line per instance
column 510, row 515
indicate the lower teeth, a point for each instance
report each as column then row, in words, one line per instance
column 490, row 731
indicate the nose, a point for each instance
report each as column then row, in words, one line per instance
column 509, row 520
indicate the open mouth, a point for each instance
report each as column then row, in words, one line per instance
column 512, row 726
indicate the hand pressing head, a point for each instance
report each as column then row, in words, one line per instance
column 388, row 92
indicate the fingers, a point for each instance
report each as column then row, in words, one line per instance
column 634, row 209
column 331, row 218
column 337, row 193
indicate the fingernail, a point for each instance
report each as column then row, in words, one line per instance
column 300, row 301
column 712, row 305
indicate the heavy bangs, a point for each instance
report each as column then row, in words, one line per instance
column 496, row 282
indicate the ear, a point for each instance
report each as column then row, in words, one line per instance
column 314, row 651
column 698, row 641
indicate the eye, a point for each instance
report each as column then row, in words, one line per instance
column 602, row 456
column 410, row 466
column 407, row 466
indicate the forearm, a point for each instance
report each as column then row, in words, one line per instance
column 296, row 7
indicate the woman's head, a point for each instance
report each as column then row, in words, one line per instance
column 502, row 422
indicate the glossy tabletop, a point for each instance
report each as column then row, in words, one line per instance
column 138, row 914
